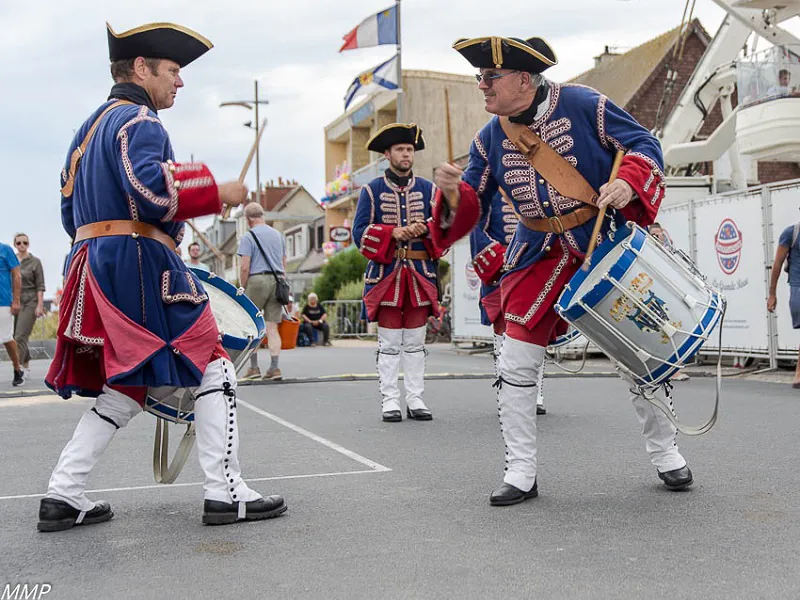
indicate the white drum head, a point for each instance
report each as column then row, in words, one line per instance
column 231, row 318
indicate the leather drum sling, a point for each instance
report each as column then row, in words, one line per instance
column 559, row 173
column 77, row 154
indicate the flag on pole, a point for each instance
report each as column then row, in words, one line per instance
column 372, row 80
column 378, row 29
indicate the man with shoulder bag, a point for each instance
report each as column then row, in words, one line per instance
column 262, row 275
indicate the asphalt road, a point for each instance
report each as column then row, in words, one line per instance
column 401, row 510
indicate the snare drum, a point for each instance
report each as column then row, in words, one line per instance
column 647, row 307
column 242, row 327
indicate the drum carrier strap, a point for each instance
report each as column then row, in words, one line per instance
column 549, row 164
column 77, row 154
column 558, row 172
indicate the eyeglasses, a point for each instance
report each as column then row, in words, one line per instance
column 479, row 77
column 20, row 243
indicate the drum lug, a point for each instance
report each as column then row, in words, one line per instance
column 668, row 329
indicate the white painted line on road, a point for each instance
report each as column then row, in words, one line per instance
column 162, row 486
column 313, row 436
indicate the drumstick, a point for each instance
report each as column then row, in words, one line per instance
column 450, row 202
column 205, row 240
column 587, row 262
column 227, row 211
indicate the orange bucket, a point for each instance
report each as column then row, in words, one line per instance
column 288, row 329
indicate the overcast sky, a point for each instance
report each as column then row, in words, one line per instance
column 54, row 60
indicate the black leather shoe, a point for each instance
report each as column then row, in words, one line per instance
column 540, row 409
column 507, row 494
column 55, row 515
column 224, row 513
column 678, row 479
column 392, row 416
column 419, row 414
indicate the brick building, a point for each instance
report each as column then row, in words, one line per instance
column 636, row 81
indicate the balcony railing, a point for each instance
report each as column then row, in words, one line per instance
column 369, row 172
column 768, row 75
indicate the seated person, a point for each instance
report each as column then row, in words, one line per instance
column 291, row 310
column 782, row 89
column 314, row 316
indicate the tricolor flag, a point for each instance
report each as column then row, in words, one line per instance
column 380, row 28
column 372, row 80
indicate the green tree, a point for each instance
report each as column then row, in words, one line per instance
column 353, row 290
column 343, row 267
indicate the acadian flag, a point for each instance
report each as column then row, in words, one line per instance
column 372, row 80
column 380, row 28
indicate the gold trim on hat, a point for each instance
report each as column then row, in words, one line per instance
column 152, row 26
column 497, row 53
column 394, row 126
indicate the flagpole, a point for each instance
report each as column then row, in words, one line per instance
column 399, row 99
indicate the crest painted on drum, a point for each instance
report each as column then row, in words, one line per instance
column 650, row 317
column 728, row 244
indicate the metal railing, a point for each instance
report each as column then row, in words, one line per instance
column 768, row 75
column 344, row 319
column 368, row 172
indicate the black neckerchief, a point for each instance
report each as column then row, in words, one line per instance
column 398, row 180
column 130, row 91
column 528, row 116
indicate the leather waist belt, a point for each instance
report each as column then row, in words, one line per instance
column 403, row 253
column 561, row 224
column 131, row 228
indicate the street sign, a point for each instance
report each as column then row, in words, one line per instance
column 340, row 234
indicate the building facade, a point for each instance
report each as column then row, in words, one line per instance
column 423, row 103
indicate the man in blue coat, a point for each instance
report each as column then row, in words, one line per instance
column 566, row 125
column 400, row 285
column 133, row 316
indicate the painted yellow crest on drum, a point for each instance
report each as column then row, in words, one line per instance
column 626, row 306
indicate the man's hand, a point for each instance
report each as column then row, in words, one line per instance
column 616, row 194
column 401, row 234
column 417, row 229
column 447, row 179
column 15, row 307
column 39, row 310
column 772, row 302
column 232, row 193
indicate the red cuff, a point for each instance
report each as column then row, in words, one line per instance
column 465, row 218
column 195, row 188
column 378, row 244
column 647, row 181
column 489, row 262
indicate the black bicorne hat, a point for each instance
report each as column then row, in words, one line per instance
column 396, row 133
column 157, row 40
column 533, row 55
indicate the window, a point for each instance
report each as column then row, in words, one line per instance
column 289, row 247
column 295, row 242
column 320, row 237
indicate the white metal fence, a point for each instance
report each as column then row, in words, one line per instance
column 732, row 238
